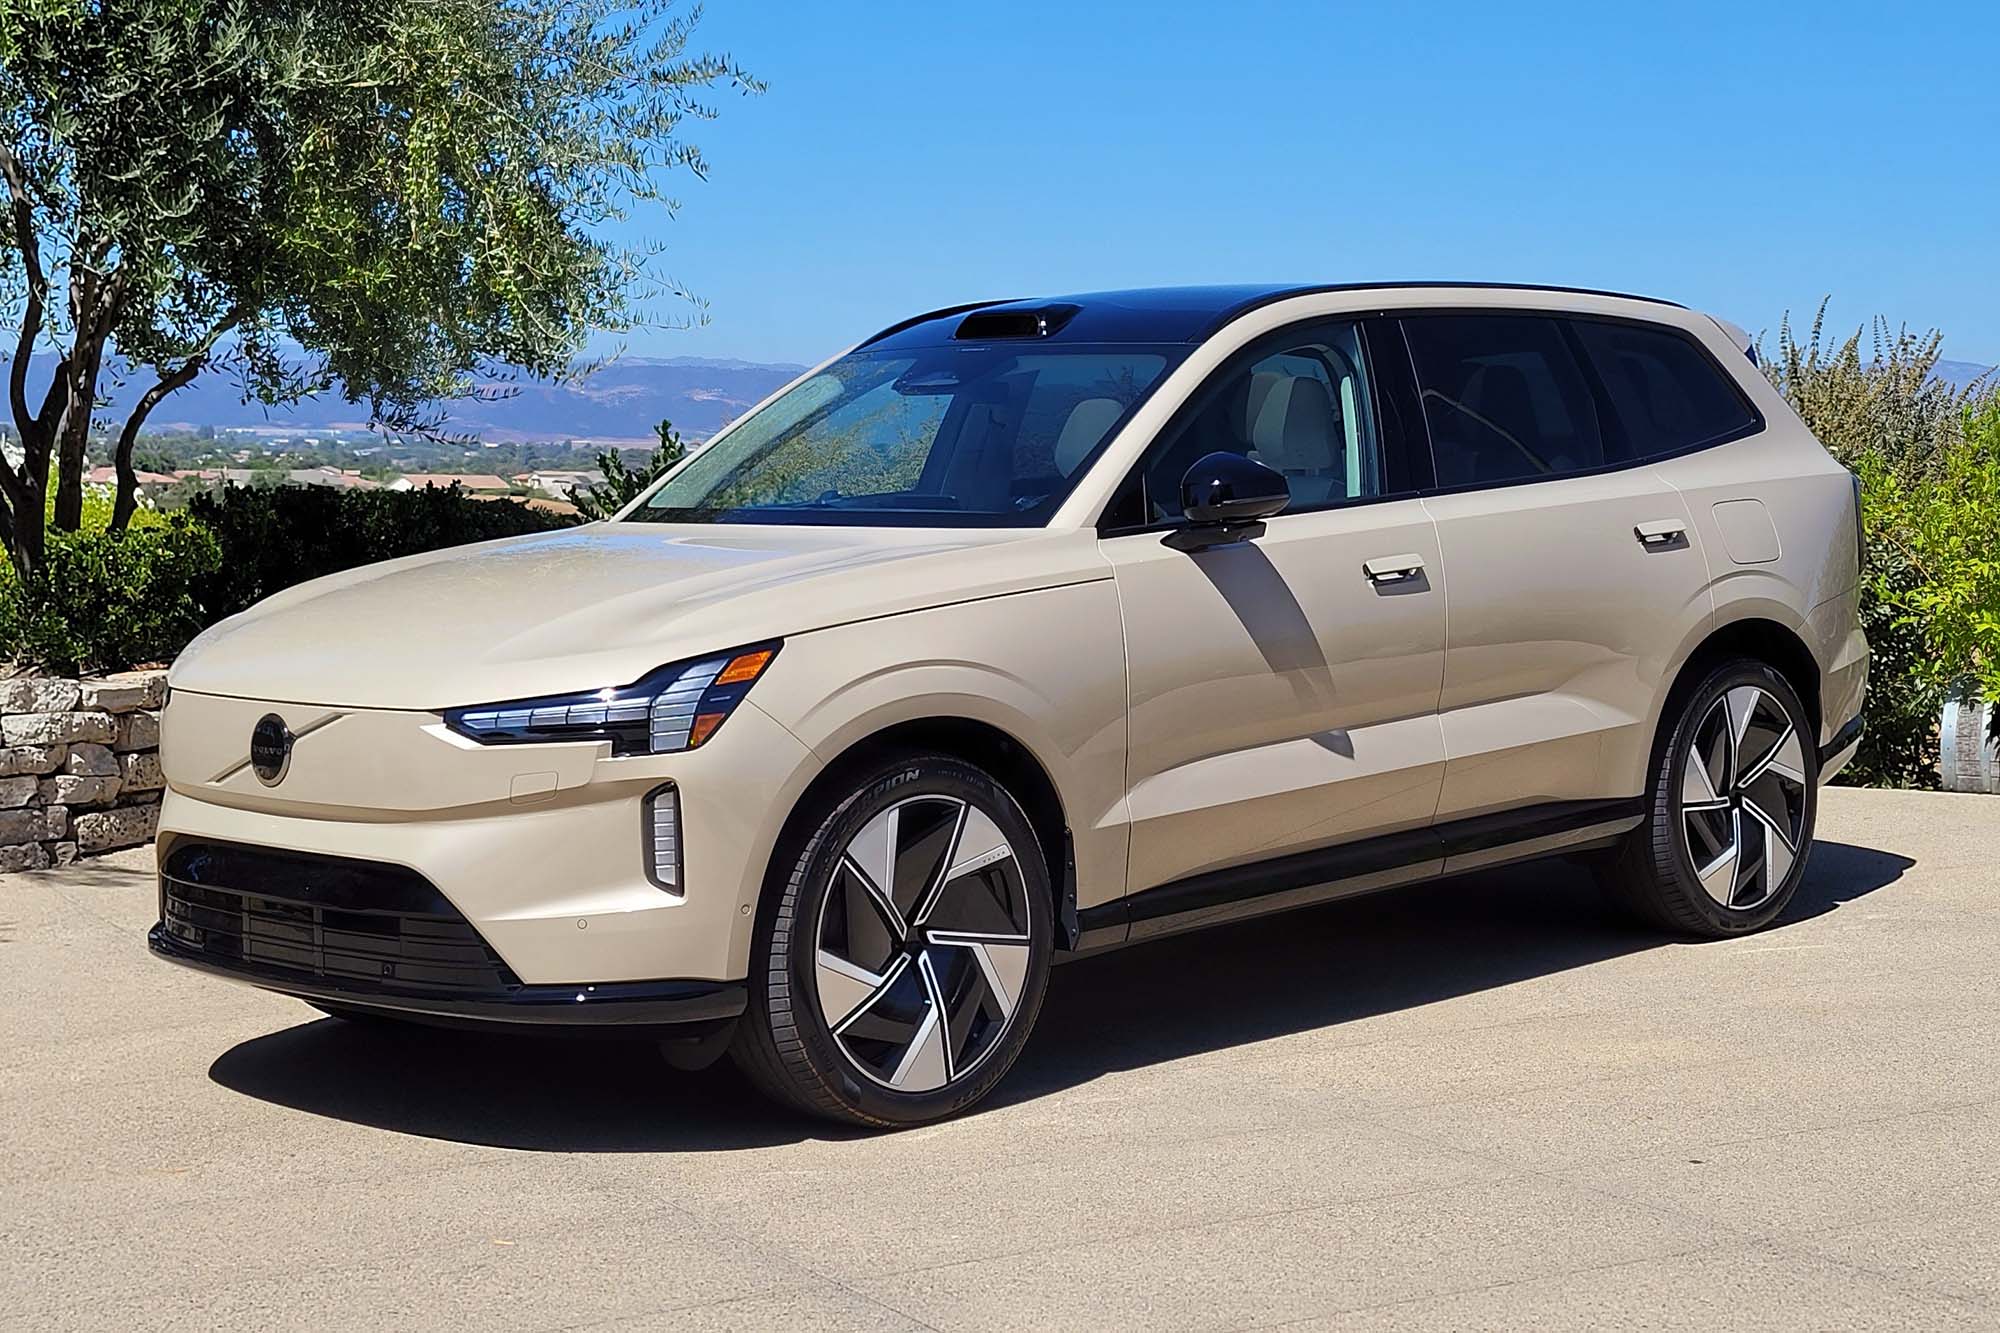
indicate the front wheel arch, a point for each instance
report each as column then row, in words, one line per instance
column 981, row 744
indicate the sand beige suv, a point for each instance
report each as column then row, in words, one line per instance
column 1032, row 628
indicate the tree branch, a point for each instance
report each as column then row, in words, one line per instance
column 128, row 479
column 127, row 499
column 111, row 305
column 25, row 240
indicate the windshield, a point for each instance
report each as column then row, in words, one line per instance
column 962, row 435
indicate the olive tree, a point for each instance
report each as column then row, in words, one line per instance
column 380, row 197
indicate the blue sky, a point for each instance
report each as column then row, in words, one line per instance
column 1745, row 159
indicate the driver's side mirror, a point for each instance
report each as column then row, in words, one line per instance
column 1226, row 497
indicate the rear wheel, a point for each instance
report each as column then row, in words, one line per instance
column 901, row 959
column 1731, row 808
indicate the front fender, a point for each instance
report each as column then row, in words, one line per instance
column 1047, row 668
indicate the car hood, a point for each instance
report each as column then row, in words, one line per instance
column 598, row 605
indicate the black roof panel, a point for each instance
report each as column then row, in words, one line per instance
column 1158, row 314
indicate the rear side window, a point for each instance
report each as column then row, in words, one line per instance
column 1667, row 393
column 1505, row 399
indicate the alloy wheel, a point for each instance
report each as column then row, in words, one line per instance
column 1743, row 798
column 923, row 948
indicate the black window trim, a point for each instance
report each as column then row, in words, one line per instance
column 1369, row 325
column 1606, row 410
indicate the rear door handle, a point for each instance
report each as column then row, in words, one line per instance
column 1393, row 569
column 1660, row 532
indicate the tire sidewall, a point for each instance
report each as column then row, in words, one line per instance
column 875, row 791
column 1723, row 920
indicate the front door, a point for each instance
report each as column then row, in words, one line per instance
column 1283, row 689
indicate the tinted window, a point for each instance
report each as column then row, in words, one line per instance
column 961, row 435
column 1300, row 406
column 1504, row 397
column 1667, row 393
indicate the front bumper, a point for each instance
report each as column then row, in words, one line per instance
column 381, row 938
column 622, row 1005
column 541, row 849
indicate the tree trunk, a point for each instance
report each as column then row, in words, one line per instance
column 128, row 479
column 27, row 492
column 26, row 526
column 127, row 500
column 23, row 492
column 72, row 438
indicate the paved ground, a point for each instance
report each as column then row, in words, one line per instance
column 1485, row 1104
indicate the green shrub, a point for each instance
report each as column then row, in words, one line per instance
column 1900, row 745
column 276, row 537
column 1928, row 457
column 623, row 484
column 103, row 601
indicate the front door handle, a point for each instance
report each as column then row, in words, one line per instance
column 1393, row 569
column 1661, row 532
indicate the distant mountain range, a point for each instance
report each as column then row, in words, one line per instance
column 1961, row 373
column 621, row 401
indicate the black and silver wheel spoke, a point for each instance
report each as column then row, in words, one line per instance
column 1742, row 798
column 923, row 945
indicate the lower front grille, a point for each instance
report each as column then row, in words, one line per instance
column 279, row 912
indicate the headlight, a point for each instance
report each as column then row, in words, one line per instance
column 676, row 707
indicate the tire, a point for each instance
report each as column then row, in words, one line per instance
column 899, row 1003
column 1726, row 837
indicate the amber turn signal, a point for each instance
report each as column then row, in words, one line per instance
column 745, row 667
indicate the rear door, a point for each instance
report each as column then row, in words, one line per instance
column 1282, row 697
column 1575, row 569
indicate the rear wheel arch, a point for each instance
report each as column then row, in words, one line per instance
column 1755, row 637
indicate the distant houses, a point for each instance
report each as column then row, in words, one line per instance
column 476, row 485
column 484, row 486
column 475, row 482
column 244, row 476
column 104, row 476
column 559, row 481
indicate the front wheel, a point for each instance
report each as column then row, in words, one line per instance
column 1730, row 810
column 904, row 949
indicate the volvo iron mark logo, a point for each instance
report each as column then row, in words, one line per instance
column 270, row 749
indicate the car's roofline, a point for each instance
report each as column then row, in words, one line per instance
column 1194, row 314
column 1276, row 295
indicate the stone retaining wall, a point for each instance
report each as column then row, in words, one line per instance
column 79, row 766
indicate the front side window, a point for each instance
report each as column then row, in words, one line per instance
column 1505, row 398
column 960, row 435
column 1668, row 395
column 1299, row 406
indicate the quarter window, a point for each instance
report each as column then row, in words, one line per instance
column 1301, row 407
column 1668, row 395
column 1505, row 398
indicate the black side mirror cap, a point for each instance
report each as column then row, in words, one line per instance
column 1225, row 497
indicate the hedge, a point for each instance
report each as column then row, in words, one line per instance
column 104, row 601
column 274, row 537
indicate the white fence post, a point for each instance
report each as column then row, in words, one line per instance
column 1967, row 761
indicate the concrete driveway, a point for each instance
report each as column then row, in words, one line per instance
column 1481, row 1104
